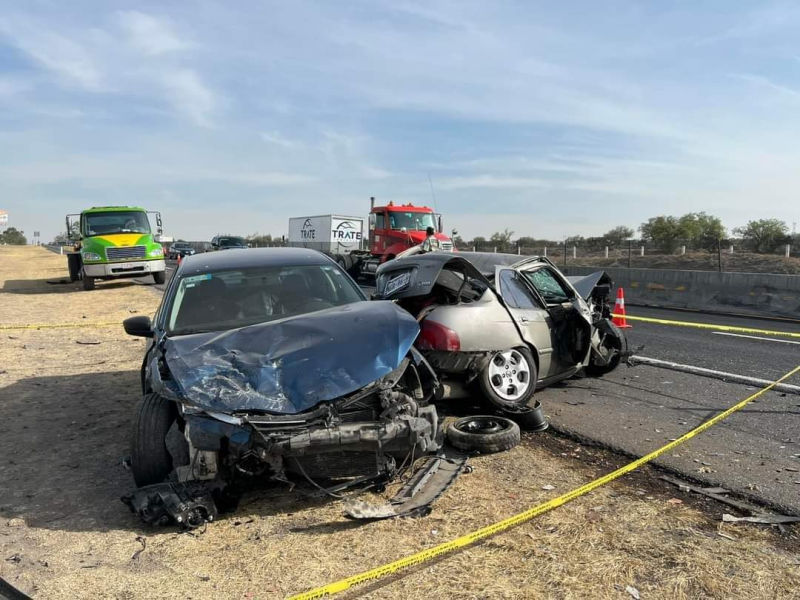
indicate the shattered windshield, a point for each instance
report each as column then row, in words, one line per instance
column 119, row 221
column 236, row 298
column 411, row 221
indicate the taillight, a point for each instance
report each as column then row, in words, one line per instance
column 434, row 336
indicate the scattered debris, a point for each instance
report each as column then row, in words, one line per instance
column 141, row 540
column 766, row 519
column 548, row 487
column 711, row 492
column 674, row 501
column 88, row 342
column 633, row 592
column 726, row 536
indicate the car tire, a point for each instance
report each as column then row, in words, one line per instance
column 483, row 433
column 88, row 282
column 151, row 461
column 613, row 339
column 503, row 392
column 159, row 277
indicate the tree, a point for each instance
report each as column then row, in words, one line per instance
column 616, row 236
column 257, row 240
column 701, row 230
column 764, row 235
column 526, row 242
column 663, row 231
column 13, row 237
column 458, row 241
column 501, row 238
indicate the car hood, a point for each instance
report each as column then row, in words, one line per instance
column 291, row 365
column 585, row 284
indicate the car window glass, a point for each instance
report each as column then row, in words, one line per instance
column 239, row 297
column 379, row 221
column 513, row 290
column 545, row 282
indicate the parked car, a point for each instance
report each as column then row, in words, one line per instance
column 271, row 364
column 180, row 250
column 524, row 327
column 228, row 242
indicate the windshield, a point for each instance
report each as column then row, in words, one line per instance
column 230, row 299
column 411, row 221
column 231, row 241
column 118, row 221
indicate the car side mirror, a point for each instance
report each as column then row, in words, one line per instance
column 140, row 326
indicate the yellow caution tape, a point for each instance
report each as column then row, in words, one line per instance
column 60, row 325
column 518, row 519
column 710, row 326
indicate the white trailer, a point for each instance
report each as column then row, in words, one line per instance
column 335, row 235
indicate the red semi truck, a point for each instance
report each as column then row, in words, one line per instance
column 391, row 229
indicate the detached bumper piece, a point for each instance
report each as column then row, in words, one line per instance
column 414, row 499
column 189, row 505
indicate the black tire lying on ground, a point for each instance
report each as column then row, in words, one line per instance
column 159, row 277
column 151, row 461
column 483, row 433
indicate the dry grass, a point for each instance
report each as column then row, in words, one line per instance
column 65, row 417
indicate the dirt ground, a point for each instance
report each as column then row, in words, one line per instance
column 66, row 401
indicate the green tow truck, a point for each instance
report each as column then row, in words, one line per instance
column 112, row 242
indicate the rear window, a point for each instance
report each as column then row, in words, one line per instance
column 229, row 299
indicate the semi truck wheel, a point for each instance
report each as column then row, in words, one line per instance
column 159, row 277
column 88, row 282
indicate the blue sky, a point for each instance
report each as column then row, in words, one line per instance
column 550, row 119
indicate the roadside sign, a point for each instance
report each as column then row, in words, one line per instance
column 3, row 217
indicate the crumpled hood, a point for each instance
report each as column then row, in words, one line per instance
column 289, row 366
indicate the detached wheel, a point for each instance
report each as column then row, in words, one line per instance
column 530, row 418
column 159, row 277
column 613, row 343
column 484, row 434
column 509, row 380
column 151, row 461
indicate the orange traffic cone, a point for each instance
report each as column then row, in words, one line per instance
column 619, row 311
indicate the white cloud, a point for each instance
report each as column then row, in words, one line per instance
column 57, row 53
column 190, row 96
column 149, row 34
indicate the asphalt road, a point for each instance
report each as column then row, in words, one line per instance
column 755, row 452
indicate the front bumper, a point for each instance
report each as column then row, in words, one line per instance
column 129, row 268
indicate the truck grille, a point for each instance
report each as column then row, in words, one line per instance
column 123, row 252
column 447, row 246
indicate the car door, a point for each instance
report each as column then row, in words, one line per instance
column 530, row 314
column 570, row 326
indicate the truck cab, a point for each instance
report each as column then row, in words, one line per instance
column 114, row 242
column 395, row 228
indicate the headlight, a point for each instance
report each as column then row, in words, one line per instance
column 90, row 256
column 156, row 252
